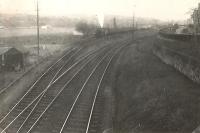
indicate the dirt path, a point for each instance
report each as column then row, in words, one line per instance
column 151, row 96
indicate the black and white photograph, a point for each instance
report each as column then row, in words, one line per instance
column 99, row 66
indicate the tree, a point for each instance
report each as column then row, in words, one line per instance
column 85, row 28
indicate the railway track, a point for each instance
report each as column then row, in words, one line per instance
column 42, row 80
column 61, row 103
column 79, row 118
column 51, row 67
column 31, row 95
column 39, row 84
column 37, row 106
column 59, row 92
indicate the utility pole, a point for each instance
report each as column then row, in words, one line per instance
column 133, row 24
column 114, row 23
column 133, row 27
column 38, row 29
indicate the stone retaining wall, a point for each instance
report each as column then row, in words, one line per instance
column 187, row 65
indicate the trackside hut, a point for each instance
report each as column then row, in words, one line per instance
column 11, row 58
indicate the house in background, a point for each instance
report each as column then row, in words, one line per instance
column 11, row 59
column 184, row 29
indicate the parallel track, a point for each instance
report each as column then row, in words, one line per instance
column 61, row 101
column 40, row 107
column 41, row 82
column 59, row 86
column 46, row 77
column 78, row 119
column 32, row 95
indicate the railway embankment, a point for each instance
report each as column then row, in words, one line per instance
column 150, row 96
column 182, row 55
column 187, row 65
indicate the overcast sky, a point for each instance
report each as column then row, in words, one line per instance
column 160, row 9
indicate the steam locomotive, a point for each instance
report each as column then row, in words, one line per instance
column 101, row 32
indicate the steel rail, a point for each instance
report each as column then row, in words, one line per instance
column 81, row 59
column 44, row 112
column 44, row 90
column 57, row 73
column 37, row 81
column 77, row 97
column 99, row 85
column 35, row 84
column 58, row 77
column 51, row 83
column 3, row 90
column 48, row 86
column 62, row 90
column 41, row 93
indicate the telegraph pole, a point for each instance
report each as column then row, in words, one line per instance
column 133, row 26
column 38, row 29
column 133, row 23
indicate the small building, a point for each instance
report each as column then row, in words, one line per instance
column 11, row 58
column 184, row 30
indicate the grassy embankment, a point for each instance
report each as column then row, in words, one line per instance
column 152, row 97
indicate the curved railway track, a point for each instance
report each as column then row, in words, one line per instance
column 33, row 94
column 38, row 86
column 45, row 73
column 79, row 116
column 42, row 102
column 39, row 110
column 41, row 82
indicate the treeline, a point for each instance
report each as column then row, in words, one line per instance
column 86, row 28
column 21, row 20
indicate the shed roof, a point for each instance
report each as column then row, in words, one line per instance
column 4, row 50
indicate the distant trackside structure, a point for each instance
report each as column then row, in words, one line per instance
column 11, row 58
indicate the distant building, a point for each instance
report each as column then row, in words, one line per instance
column 182, row 29
column 11, row 58
column 46, row 27
column 2, row 27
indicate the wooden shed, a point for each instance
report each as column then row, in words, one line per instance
column 11, row 58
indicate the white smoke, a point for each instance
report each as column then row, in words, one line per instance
column 101, row 19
